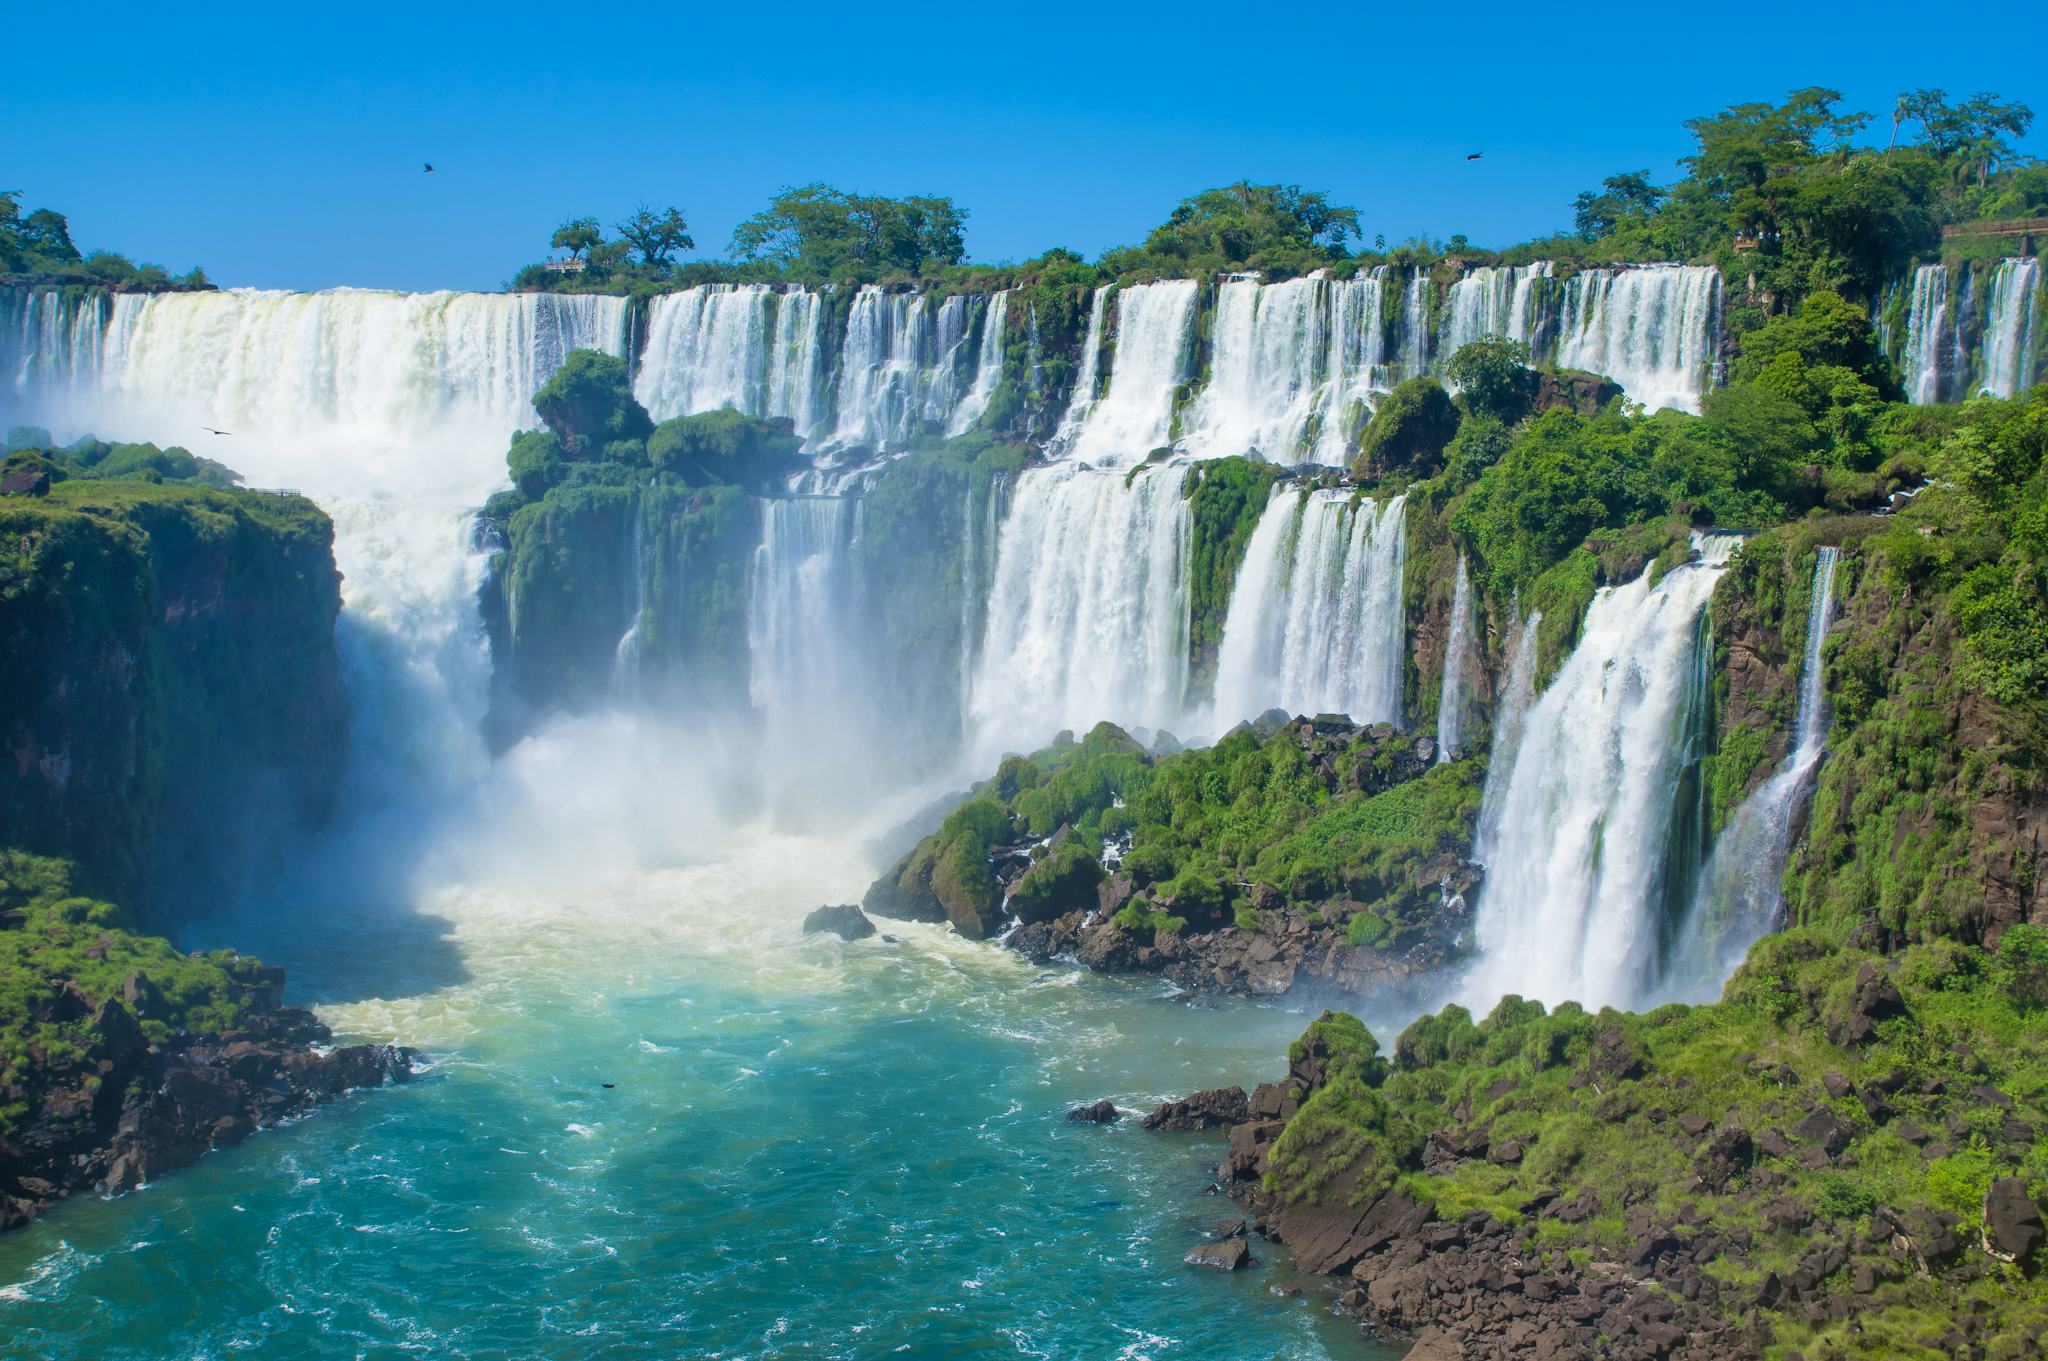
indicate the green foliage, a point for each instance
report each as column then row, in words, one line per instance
column 588, row 405
column 1281, row 228
column 36, row 247
column 1226, row 497
column 1492, row 374
column 1408, row 432
column 49, row 937
column 1064, row 881
column 822, row 234
column 725, row 447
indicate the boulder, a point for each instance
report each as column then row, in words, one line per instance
column 1227, row 1255
column 845, row 921
column 2012, row 1222
column 1874, row 998
column 1103, row 1112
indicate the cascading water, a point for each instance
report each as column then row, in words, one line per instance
column 1134, row 416
column 1315, row 622
column 988, row 366
column 1416, row 349
column 801, row 600
column 1517, row 697
column 1740, row 894
column 747, row 346
column 1651, row 328
column 2010, row 322
column 1357, row 365
column 391, row 410
column 1265, row 369
column 1087, row 615
column 1088, row 379
column 1575, row 851
column 1926, row 334
column 1459, row 661
column 1493, row 300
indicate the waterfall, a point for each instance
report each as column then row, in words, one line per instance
column 1356, row 366
column 882, row 368
column 1315, row 622
column 1493, row 300
column 2009, row 326
column 1651, row 328
column 1512, row 715
column 50, row 340
column 626, row 656
column 1416, row 350
column 1083, row 398
column 1154, row 333
column 1453, row 700
column 988, row 366
column 746, row 346
column 800, row 599
column 1926, row 334
column 1577, row 843
column 390, row 410
column 1265, row 370
column 1740, row 893
column 1087, row 615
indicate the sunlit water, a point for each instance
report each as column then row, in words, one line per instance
column 811, row 1149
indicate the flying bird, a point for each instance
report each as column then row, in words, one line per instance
column 430, row 167
column 609, row 1085
column 1472, row 156
column 211, row 431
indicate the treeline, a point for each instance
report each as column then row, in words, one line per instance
column 1788, row 198
column 36, row 248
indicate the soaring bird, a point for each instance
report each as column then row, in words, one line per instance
column 211, row 431
column 1473, row 156
column 430, row 167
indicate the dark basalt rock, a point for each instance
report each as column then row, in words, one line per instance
column 844, row 920
column 2012, row 1222
column 1204, row 1110
column 134, row 1111
column 1103, row 1112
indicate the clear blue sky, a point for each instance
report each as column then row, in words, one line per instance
column 281, row 145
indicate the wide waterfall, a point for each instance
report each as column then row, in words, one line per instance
column 1087, row 615
column 1576, row 850
column 1740, row 896
column 1315, row 622
column 389, row 409
column 1461, row 661
column 1651, row 328
column 1155, row 327
column 2012, row 323
column 751, row 347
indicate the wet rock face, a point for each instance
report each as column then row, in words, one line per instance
column 1103, row 1112
column 844, row 921
column 1220, row 1106
column 132, row 1112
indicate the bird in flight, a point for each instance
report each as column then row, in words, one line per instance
column 430, row 167
column 211, row 431
column 1470, row 156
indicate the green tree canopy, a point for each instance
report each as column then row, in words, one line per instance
column 1240, row 223
column 824, row 233
column 657, row 236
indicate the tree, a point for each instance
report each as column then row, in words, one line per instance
column 1967, row 135
column 1493, row 374
column 824, row 233
column 656, row 236
column 1409, row 431
column 576, row 236
column 1629, row 195
column 1243, row 220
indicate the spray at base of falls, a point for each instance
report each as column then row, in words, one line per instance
column 1576, row 838
column 1315, row 622
column 1087, row 615
column 1459, row 659
column 1740, row 895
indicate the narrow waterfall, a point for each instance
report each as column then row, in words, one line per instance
column 1455, row 697
column 988, row 366
column 1155, row 326
column 1356, row 365
column 626, row 657
column 1497, row 300
column 746, row 346
column 1740, row 893
column 1417, row 349
column 1511, row 717
column 1651, row 328
column 1089, row 377
column 2010, row 326
column 1576, row 854
column 1927, row 340
column 1315, row 622
column 1087, row 615
column 800, row 602
column 882, row 368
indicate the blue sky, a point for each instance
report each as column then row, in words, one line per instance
column 282, row 147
